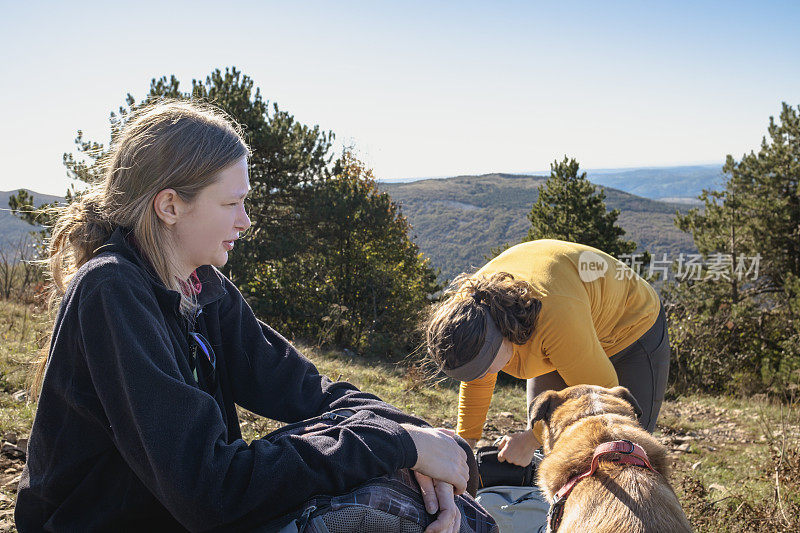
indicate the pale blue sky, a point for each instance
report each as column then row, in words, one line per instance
column 420, row 88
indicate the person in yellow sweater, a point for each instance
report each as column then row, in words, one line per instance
column 556, row 314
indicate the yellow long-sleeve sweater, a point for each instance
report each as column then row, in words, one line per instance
column 593, row 306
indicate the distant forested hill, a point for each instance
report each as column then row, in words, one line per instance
column 457, row 221
column 679, row 184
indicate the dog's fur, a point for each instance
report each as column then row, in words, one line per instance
column 615, row 498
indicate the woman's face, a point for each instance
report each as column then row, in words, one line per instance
column 504, row 354
column 206, row 229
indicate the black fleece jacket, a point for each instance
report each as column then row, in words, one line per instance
column 126, row 439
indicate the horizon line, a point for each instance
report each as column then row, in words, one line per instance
column 546, row 172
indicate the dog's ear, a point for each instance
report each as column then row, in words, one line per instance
column 625, row 394
column 544, row 405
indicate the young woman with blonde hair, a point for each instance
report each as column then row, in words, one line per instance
column 556, row 314
column 153, row 347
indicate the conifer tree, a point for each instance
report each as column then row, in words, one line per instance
column 357, row 273
column 570, row 208
column 740, row 332
column 287, row 157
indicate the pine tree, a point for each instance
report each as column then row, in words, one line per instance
column 740, row 332
column 570, row 208
column 287, row 157
column 358, row 273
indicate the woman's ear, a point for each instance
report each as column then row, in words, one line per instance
column 167, row 206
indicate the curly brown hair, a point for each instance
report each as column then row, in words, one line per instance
column 455, row 328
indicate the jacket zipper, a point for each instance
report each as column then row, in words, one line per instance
column 193, row 347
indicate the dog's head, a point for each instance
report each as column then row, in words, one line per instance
column 559, row 409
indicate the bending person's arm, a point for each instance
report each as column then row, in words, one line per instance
column 474, row 398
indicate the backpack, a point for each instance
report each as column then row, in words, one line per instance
column 509, row 494
column 386, row 504
column 515, row 509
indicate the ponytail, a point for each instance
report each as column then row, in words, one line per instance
column 456, row 329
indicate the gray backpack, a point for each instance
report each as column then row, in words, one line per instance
column 515, row 509
column 509, row 494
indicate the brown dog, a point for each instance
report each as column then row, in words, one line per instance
column 616, row 498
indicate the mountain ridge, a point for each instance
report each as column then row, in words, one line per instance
column 458, row 239
column 682, row 183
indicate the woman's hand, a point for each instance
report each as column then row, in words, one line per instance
column 517, row 448
column 439, row 457
column 438, row 497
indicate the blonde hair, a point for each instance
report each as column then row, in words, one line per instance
column 168, row 144
column 456, row 329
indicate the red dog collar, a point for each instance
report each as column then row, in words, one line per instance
column 618, row 451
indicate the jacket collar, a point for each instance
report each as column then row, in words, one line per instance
column 121, row 242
